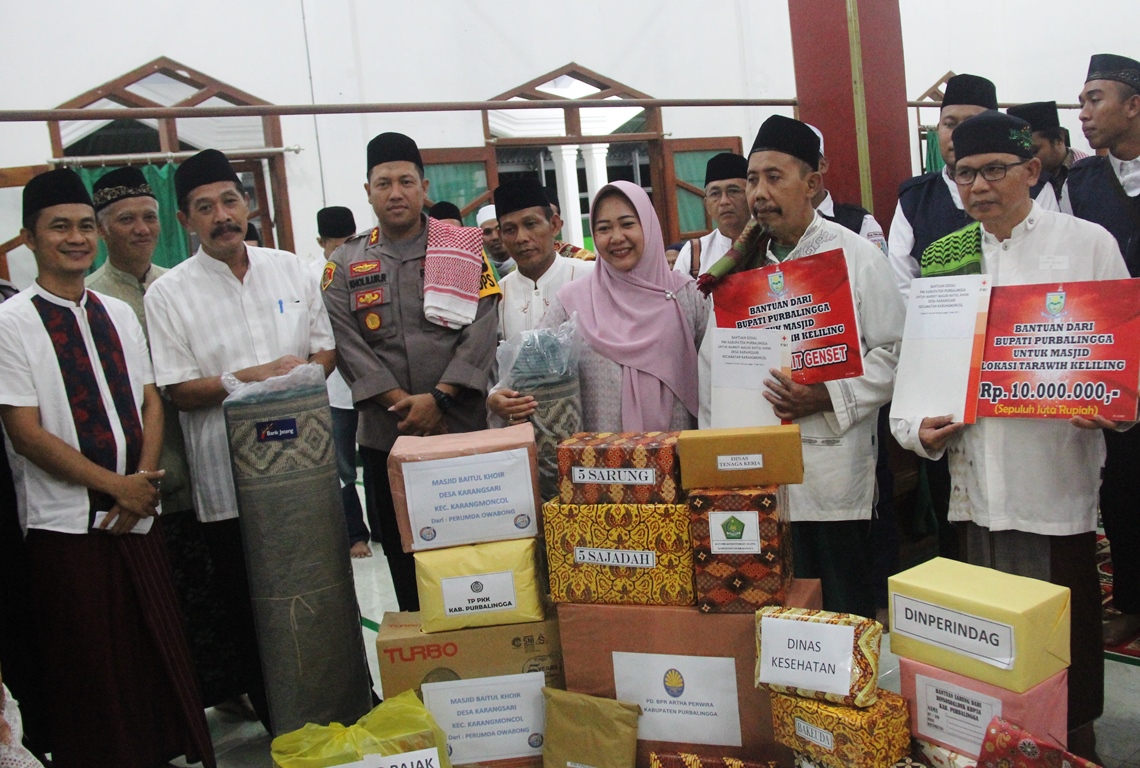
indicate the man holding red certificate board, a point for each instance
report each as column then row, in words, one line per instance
column 1025, row 489
column 832, row 293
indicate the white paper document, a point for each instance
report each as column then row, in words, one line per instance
column 468, row 499
column 141, row 527
column 489, row 718
column 688, row 699
column 742, row 358
column 803, row 654
column 952, row 714
column 941, row 349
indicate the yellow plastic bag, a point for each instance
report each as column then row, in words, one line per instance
column 400, row 724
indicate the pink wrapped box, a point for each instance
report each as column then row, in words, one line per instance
column 952, row 710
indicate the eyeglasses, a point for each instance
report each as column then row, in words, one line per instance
column 964, row 177
column 732, row 191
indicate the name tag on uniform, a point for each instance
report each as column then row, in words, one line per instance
column 1053, row 261
column 368, row 279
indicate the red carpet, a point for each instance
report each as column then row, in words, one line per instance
column 1104, row 567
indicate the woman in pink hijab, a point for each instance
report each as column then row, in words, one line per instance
column 642, row 322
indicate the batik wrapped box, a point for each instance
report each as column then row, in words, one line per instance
column 844, row 737
column 742, row 547
column 630, row 554
column 1007, row 746
column 619, row 468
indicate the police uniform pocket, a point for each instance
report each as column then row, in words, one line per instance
column 374, row 312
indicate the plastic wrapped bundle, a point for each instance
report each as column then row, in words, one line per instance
column 543, row 363
column 296, row 551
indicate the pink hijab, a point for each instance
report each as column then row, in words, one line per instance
column 633, row 319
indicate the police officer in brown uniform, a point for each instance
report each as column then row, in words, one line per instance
column 411, row 372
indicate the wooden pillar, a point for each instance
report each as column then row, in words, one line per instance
column 282, row 215
column 851, row 84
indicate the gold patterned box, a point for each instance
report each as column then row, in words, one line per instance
column 619, row 468
column 742, row 547
column 481, row 585
column 844, row 737
column 686, row 760
column 811, row 655
column 626, row 554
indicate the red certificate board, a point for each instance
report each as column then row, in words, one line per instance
column 811, row 299
column 1054, row 351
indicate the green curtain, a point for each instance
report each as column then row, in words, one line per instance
column 933, row 156
column 459, row 183
column 690, row 167
column 173, row 247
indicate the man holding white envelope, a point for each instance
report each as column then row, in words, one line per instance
column 1026, row 489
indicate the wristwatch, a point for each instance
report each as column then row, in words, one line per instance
column 445, row 401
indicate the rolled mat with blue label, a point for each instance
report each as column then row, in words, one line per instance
column 296, row 551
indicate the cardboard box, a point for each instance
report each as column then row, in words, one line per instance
column 481, row 585
column 953, row 711
column 805, row 593
column 1007, row 745
column 601, row 643
column 741, row 458
column 467, row 488
column 844, row 737
column 1005, row 630
column 408, row 658
column 816, row 646
column 742, row 547
column 937, row 756
column 619, row 468
column 631, row 554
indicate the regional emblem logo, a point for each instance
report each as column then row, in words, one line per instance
column 427, row 533
column 674, row 683
column 776, row 283
column 522, row 521
column 534, row 740
column 1055, row 302
column 476, row 587
column 733, row 528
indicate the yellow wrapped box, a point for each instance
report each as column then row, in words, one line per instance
column 482, row 585
column 844, row 737
column 741, row 458
column 1005, row 630
column 629, row 554
column 808, row 658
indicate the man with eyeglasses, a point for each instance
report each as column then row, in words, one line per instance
column 1025, row 490
column 1106, row 190
column 726, row 204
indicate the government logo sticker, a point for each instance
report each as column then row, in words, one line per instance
column 674, row 683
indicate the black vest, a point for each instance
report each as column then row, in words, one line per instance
column 848, row 215
column 1096, row 196
column 928, row 206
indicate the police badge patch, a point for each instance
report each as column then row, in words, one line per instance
column 327, row 276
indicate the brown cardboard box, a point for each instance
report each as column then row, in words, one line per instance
column 409, row 449
column 742, row 547
column 592, row 633
column 407, row 657
column 619, row 468
column 741, row 458
column 805, row 593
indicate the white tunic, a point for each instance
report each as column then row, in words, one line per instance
column 205, row 322
column 713, row 246
column 1034, row 475
column 839, row 447
column 525, row 301
column 30, row 377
